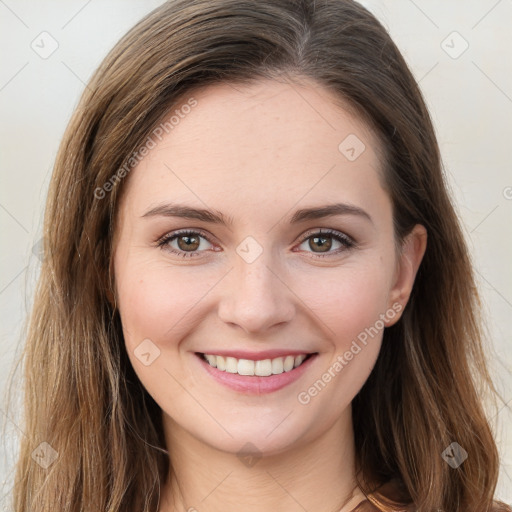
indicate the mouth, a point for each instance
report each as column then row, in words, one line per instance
column 256, row 375
column 257, row 367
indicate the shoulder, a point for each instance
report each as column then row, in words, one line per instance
column 392, row 496
column 365, row 506
column 368, row 506
column 501, row 507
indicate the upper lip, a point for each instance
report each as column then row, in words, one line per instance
column 257, row 355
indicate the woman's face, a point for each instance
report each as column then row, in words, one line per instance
column 218, row 252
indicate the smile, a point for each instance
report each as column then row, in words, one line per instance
column 256, row 373
column 259, row 368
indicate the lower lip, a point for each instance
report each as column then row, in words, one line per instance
column 255, row 384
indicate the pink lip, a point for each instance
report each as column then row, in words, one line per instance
column 255, row 356
column 252, row 383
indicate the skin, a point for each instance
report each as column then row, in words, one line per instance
column 257, row 154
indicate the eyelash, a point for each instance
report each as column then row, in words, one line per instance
column 346, row 241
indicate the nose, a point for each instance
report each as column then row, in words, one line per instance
column 256, row 297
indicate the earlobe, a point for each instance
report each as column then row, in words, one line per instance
column 412, row 252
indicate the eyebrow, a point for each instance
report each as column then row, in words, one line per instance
column 216, row 217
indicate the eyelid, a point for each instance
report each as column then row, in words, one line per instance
column 327, row 231
column 185, row 231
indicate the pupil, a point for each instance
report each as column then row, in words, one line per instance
column 321, row 241
column 188, row 244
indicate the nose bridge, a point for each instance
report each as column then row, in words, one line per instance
column 256, row 297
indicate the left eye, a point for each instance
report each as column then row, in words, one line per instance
column 324, row 241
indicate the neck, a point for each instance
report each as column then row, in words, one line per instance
column 315, row 475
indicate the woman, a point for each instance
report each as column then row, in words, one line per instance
column 255, row 293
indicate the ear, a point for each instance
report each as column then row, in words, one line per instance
column 410, row 256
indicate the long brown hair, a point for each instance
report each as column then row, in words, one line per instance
column 82, row 396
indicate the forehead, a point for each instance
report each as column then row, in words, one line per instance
column 257, row 144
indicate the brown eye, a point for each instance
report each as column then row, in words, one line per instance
column 321, row 243
column 188, row 243
column 185, row 243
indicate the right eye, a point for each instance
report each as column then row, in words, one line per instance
column 187, row 244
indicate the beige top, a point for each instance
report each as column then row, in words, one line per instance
column 368, row 506
column 365, row 506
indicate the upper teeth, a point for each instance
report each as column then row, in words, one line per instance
column 261, row 368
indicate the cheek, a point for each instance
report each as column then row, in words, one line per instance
column 351, row 305
column 349, row 300
column 157, row 303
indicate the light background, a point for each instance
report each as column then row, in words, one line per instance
column 469, row 96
